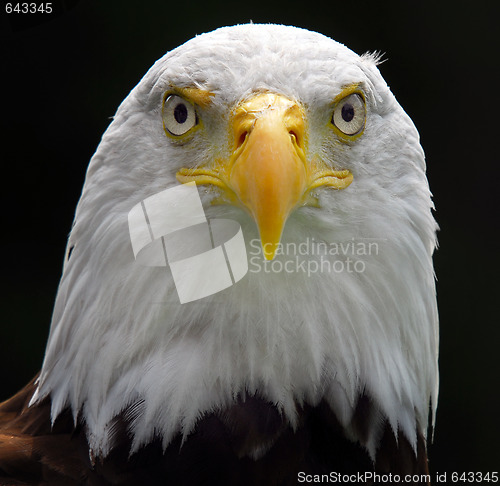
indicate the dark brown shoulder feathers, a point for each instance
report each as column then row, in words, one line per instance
column 250, row 443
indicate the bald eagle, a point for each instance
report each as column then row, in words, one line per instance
column 320, row 359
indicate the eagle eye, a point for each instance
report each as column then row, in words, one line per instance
column 349, row 114
column 179, row 115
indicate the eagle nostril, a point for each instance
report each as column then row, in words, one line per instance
column 241, row 139
column 294, row 137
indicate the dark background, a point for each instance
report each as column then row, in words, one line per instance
column 64, row 74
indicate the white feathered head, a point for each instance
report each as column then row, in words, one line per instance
column 300, row 141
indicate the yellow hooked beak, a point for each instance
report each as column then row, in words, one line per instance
column 268, row 173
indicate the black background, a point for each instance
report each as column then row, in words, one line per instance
column 64, row 74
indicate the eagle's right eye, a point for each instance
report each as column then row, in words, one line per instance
column 179, row 115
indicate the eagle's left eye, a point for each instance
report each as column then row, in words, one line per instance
column 349, row 114
column 179, row 115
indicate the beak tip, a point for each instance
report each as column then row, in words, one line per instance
column 269, row 250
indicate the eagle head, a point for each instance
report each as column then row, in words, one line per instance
column 299, row 141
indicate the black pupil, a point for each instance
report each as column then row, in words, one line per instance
column 181, row 113
column 347, row 112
